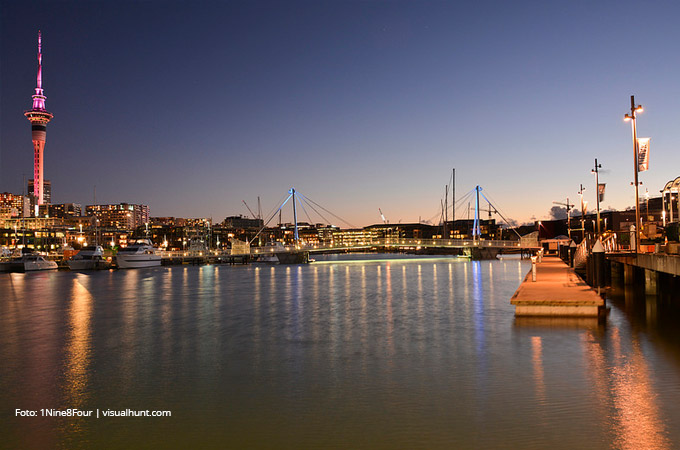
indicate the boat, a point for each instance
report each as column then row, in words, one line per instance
column 27, row 262
column 35, row 261
column 277, row 253
column 267, row 253
column 89, row 258
column 139, row 254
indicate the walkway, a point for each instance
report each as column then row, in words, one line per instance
column 557, row 292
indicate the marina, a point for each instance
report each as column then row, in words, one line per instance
column 339, row 225
column 351, row 351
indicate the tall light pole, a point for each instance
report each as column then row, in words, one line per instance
column 633, row 119
column 583, row 213
column 647, row 204
column 663, row 208
column 596, row 171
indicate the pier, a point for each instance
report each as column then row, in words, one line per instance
column 557, row 292
column 657, row 272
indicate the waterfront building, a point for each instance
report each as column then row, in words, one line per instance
column 125, row 216
column 33, row 232
column 611, row 221
column 60, row 210
column 242, row 222
column 39, row 118
column 176, row 233
column 245, row 229
column 167, row 221
column 356, row 236
column 12, row 205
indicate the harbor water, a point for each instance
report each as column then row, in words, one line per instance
column 352, row 351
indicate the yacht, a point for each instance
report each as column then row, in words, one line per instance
column 139, row 254
column 89, row 258
column 27, row 262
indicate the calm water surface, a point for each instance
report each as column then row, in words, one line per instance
column 391, row 353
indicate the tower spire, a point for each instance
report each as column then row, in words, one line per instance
column 39, row 97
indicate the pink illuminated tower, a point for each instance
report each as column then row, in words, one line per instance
column 39, row 118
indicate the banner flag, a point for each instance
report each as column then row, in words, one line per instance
column 600, row 191
column 643, row 154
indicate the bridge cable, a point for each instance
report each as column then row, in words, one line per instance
column 270, row 219
column 502, row 217
column 320, row 215
column 337, row 217
column 305, row 211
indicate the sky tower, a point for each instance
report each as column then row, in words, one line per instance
column 39, row 118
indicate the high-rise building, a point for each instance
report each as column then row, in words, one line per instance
column 121, row 216
column 12, row 205
column 39, row 118
column 47, row 192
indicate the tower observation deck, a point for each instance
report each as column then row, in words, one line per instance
column 39, row 118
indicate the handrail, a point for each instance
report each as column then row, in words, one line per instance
column 391, row 242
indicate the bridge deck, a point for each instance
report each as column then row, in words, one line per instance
column 557, row 291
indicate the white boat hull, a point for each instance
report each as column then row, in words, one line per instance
column 31, row 266
column 138, row 261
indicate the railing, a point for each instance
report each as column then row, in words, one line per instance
column 390, row 242
column 193, row 253
column 581, row 255
column 368, row 243
column 610, row 243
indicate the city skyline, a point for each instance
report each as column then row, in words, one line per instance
column 358, row 105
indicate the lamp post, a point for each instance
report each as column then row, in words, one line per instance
column 596, row 171
column 583, row 219
column 663, row 207
column 647, row 204
column 632, row 118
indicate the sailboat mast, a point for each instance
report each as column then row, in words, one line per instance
column 453, row 198
column 446, row 209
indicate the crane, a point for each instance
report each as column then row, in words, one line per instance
column 382, row 216
column 569, row 206
column 251, row 211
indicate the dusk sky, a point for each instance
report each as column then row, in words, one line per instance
column 192, row 107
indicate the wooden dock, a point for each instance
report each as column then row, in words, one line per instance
column 557, row 292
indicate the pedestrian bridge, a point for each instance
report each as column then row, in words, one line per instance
column 478, row 249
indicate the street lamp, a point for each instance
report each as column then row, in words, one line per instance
column 583, row 214
column 647, row 203
column 632, row 118
column 596, row 171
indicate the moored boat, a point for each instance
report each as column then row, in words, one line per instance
column 27, row 262
column 138, row 255
column 89, row 258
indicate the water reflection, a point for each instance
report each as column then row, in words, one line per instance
column 623, row 381
column 388, row 313
column 345, row 355
column 537, row 360
column 78, row 355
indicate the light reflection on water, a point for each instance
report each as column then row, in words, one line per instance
column 398, row 353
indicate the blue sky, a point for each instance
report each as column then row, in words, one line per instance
column 192, row 107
